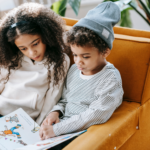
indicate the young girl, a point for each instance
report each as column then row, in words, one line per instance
column 32, row 60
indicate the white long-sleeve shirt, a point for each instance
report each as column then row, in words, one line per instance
column 26, row 88
column 90, row 101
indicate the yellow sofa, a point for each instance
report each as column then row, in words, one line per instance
column 129, row 126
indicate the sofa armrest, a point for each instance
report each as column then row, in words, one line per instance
column 112, row 134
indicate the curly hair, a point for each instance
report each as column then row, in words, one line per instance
column 82, row 36
column 42, row 21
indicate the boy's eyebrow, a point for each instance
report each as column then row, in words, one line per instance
column 83, row 53
column 31, row 42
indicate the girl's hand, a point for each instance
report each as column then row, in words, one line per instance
column 46, row 132
column 52, row 118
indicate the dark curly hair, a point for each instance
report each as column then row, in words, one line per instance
column 42, row 21
column 82, row 36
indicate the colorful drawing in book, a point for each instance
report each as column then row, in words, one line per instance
column 21, row 142
column 35, row 129
column 11, row 132
column 12, row 119
column 44, row 144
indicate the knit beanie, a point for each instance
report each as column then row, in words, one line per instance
column 101, row 20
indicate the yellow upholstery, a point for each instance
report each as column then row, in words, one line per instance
column 118, row 129
column 141, row 139
column 129, row 126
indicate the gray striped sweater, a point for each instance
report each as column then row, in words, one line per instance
column 88, row 102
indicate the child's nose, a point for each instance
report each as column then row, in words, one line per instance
column 78, row 60
column 32, row 52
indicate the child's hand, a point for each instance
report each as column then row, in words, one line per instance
column 51, row 119
column 46, row 132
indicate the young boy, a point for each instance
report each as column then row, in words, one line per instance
column 93, row 87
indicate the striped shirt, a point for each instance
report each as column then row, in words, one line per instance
column 88, row 102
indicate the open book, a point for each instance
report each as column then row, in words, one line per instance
column 18, row 131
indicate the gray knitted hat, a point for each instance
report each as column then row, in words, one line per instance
column 101, row 20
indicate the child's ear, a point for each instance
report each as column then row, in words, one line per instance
column 107, row 53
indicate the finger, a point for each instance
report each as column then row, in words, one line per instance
column 47, row 137
column 43, row 123
column 46, row 121
column 41, row 133
column 50, row 122
column 57, row 121
column 43, row 137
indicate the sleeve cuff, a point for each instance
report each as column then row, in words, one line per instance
column 56, row 107
column 56, row 129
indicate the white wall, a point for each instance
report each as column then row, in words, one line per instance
column 137, row 21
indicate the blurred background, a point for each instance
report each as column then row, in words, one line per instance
column 135, row 13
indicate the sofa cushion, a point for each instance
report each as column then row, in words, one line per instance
column 112, row 134
column 130, row 31
column 130, row 55
column 141, row 139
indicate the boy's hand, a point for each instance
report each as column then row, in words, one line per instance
column 46, row 132
column 52, row 118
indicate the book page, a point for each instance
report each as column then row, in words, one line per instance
column 42, row 145
column 18, row 129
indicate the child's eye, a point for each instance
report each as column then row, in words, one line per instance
column 86, row 57
column 74, row 55
column 36, row 44
column 23, row 49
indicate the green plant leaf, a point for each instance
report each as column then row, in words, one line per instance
column 75, row 4
column 148, row 3
column 146, row 20
column 63, row 5
column 125, row 18
column 146, row 10
column 63, row 12
column 55, row 7
column 110, row 0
